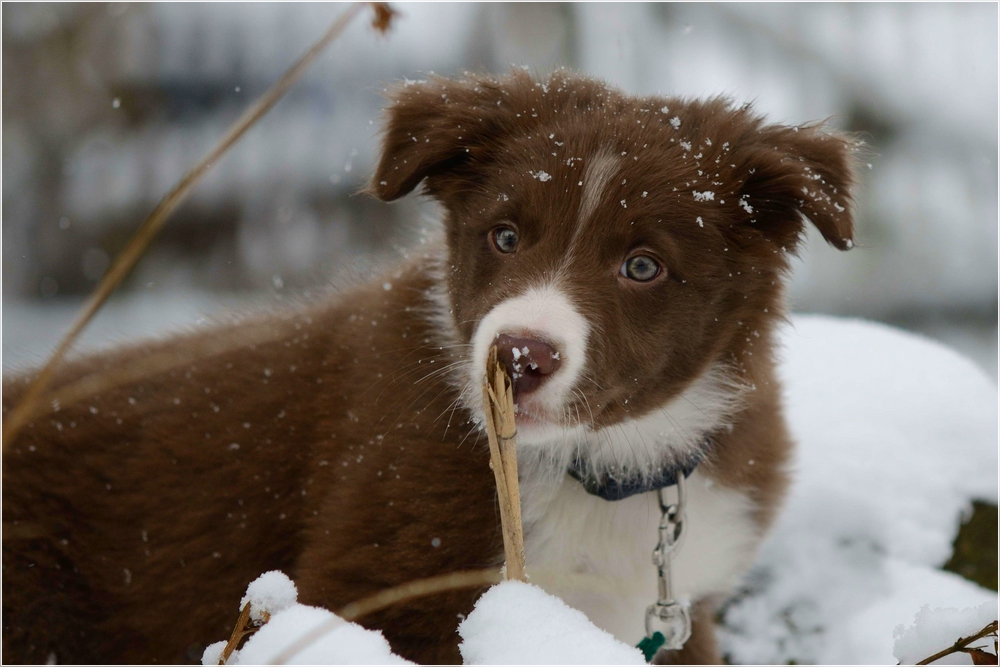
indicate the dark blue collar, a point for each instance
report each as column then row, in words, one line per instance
column 610, row 488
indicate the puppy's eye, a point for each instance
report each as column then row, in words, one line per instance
column 641, row 268
column 505, row 239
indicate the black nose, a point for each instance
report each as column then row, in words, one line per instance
column 529, row 361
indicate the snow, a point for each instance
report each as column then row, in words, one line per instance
column 342, row 644
column 213, row 653
column 896, row 436
column 708, row 195
column 345, row 643
column 268, row 594
column 933, row 630
column 517, row 623
column 272, row 597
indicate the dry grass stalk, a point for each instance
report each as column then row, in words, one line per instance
column 390, row 596
column 501, row 430
column 962, row 643
column 418, row 588
column 137, row 245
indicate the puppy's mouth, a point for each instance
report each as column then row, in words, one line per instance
column 533, row 417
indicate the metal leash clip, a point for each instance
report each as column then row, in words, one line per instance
column 669, row 618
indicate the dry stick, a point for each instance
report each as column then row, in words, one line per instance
column 499, row 474
column 961, row 644
column 501, row 431
column 390, row 596
column 130, row 255
column 239, row 632
column 506, row 428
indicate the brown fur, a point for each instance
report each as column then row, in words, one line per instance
column 338, row 449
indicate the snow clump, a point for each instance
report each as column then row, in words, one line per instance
column 517, row 623
column 272, row 597
column 343, row 644
column 213, row 654
column 268, row 594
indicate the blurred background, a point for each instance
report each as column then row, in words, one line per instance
column 105, row 106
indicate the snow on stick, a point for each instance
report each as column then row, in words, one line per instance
column 501, row 430
column 266, row 595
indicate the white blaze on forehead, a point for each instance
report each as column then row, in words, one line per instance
column 600, row 168
column 545, row 313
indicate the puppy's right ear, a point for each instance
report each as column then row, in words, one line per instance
column 436, row 129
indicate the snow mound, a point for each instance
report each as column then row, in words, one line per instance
column 272, row 597
column 213, row 653
column 896, row 436
column 934, row 630
column 268, row 594
column 342, row 644
column 517, row 623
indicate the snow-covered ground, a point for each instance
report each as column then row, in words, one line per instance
column 897, row 436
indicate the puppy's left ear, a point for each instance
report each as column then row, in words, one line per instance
column 797, row 173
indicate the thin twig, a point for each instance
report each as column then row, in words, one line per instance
column 239, row 632
column 133, row 252
column 961, row 644
column 501, row 431
column 408, row 591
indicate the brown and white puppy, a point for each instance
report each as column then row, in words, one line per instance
column 627, row 257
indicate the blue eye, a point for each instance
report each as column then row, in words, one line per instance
column 505, row 239
column 641, row 268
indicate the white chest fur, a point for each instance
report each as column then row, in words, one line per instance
column 597, row 555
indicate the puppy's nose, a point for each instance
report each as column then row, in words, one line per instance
column 529, row 361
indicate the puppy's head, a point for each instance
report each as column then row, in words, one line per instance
column 617, row 250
